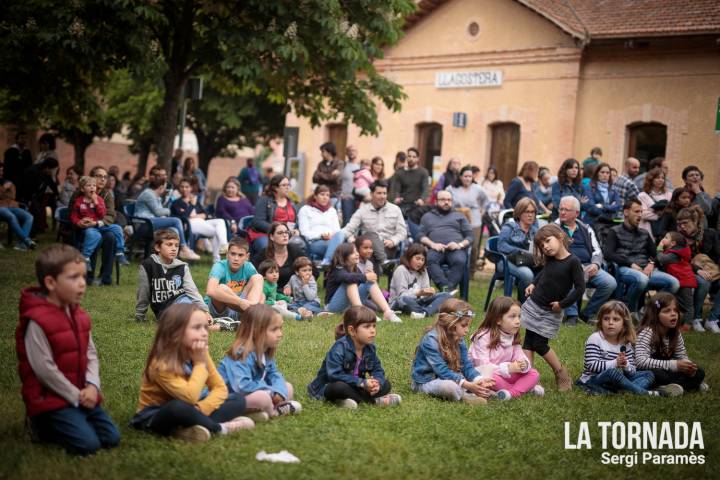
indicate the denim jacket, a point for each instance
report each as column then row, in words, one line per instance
column 514, row 239
column 339, row 364
column 245, row 376
column 429, row 363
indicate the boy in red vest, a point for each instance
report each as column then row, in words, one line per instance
column 58, row 363
column 675, row 260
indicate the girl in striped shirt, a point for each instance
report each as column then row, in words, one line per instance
column 661, row 349
column 609, row 356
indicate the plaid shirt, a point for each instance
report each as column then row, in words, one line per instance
column 625, row 188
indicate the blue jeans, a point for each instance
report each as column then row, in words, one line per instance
column 455, row 259
column 523, row 275
column 169, row 222
column 348, row 208
column 312, row 305
column 19, row 220
column 604, row 285
column 427, row 305
column 445, row 389
column 339, row 301
column 78, row 430
column 614, row 380
column 637, row 283
column 324, row 249
column 93, row 237
column 701, row 292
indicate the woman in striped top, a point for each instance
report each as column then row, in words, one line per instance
column 661, row 349
column 610, row 358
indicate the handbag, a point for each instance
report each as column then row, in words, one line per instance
column 522, row 259
column 704, row 262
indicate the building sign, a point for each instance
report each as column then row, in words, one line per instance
column 486, row 78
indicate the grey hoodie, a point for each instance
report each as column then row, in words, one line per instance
column 143, row 291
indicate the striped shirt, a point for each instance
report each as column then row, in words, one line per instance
column 648, row 358
column 601, row 355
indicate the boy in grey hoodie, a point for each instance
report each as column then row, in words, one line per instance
column 164, row 279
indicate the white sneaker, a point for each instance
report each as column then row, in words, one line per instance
column 392, row 317
column 712, row 325
column 347, row 403
column 454, row 293
column 704, row 388
column 258, row 417
column 417, row 315
column 697, row 325
column 194, row 434
column 538, row 390
column 238, row 423
column 288, row 408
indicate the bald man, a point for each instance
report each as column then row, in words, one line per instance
column 624, row 185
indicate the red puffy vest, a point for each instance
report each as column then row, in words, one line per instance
column 682, row 270
column 68, row 338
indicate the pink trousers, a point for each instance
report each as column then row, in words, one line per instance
column 518, row 383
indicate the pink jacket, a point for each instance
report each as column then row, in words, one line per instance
column 363, row 178
column 500, row 357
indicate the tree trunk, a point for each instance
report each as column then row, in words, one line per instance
column 206, row 152
column 81, row 141
column 143, row 154
column 167, row 126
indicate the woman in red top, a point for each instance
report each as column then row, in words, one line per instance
column 274, row 206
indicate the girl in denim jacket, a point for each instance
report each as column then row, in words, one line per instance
column 351, row 372
column 442, row 367
column 249, row 366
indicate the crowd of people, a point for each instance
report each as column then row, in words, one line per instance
column 584, row 230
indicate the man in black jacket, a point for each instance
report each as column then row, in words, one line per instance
column 633, row 250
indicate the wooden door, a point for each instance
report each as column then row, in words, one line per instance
column 505, row 145
column 646, row 141
column 429, row 143
column 337, row 134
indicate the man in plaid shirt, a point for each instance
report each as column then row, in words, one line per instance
column 624, row 185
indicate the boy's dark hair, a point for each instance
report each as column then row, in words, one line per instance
column 596, row 150
column 267, row 266
column 678, row 238
column 630, row 202
column 164, row 234
column 378, row 184
column 412, row 250
column 330, row 148
column 413, row 149
column 301, row 262
column 238, row 242
column 52, row 261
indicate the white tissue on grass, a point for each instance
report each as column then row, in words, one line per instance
column 281, row 457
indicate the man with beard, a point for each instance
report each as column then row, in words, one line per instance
column 447, row 234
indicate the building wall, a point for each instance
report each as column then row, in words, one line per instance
column 565, row 100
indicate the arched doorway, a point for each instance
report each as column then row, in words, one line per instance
column 337, row 134
column 646, row 141
column 429, row 143
column 504, row 148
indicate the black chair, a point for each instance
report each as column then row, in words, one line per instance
column 68, row 233
column 143, row 232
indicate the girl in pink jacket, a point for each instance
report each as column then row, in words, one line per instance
column 496, row 351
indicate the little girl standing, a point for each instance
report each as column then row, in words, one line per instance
column 609, row 355
column 410, row 290
column 496, row 346
column 561, row 283
column 442, row 367
column 182, row 393
column 661, row 348
column 351, row 372
column 346, row 285
column 249, row 366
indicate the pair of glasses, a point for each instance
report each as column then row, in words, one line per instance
column 282, row 232
column 100, row 176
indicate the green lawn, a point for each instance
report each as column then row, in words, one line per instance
column 423, row 438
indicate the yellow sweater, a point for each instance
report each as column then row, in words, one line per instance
column 164, row 386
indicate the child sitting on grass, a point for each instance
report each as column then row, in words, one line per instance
column 351, row 372
column 182, row 394
column 496, row 347
column 410, row 290
column 87, row 213
column 304, row 289
column 233, row 284
column 610, row 357
column 58, row 362
column 249, row 366
column 165, row 280
column 279, row 302
column 441, row 367
column 660, row 348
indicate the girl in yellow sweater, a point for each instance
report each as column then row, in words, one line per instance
column 182, row 393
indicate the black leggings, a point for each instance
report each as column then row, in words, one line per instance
column 341, row 391
column 663, row 377
column 536, row 343
column 178, row 414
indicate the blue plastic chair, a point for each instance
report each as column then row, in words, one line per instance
column 493, row 254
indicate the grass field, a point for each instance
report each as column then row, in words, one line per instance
column 423, row 438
